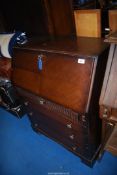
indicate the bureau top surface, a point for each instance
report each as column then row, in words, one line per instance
column 73, row 46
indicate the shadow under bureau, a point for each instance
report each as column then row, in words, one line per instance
column 61, row 81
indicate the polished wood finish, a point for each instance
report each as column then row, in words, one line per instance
column 113, row 20
column 60, row 17
column 74, row 46
column 72, row 131
column 63, row 93
column 60, row 71
column 88, row 23
column 5, row 67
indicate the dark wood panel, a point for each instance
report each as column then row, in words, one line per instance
column 5, row 67
column 57, row 127
column 26, row 60
column 56, row 113
column 61, row 15
column 78, row 142
column 61, row 76
column 65, row 81
column 78, row 46
column 26, row 80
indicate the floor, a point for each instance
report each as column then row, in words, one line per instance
column 24, row 152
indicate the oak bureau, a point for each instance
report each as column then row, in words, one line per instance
column 61, row 80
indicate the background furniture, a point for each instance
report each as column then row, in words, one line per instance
column 111, row 144
column 88, row 23
column 39, row 17
column 108, row 98
column 113, row 20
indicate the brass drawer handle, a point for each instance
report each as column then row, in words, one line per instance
column 105, row 116
column 35, row 125
column 26, row 103
column 69, row 125
column 105, row 113
column 110, row 124
column 83, row 118
column 71, row 137
column 41, row 102
column 74, row 148
column 30, row 114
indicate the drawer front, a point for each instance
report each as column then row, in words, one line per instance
column 74, row 136
column 64, row 79
column 54, row 111
column 77, row 142
column 65, row 129
column 44, row 123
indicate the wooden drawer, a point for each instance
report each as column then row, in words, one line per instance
column 52, row 128
column 64, row 129
column 78, row 142
column 54, row 111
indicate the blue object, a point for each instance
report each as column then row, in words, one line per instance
column 40, row 63
column 8, row 40
column 19, row 38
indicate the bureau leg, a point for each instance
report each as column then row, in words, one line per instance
column 89, row 163
column 35, row 128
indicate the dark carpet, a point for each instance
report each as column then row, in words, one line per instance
column 24, row 152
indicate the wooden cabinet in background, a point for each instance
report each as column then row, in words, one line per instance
column 39, row 17
column 88, row 22
column 108, row 98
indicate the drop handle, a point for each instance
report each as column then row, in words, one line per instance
column 40, row 63
column 71, row 137
column 30, row 114
column 69, row 126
